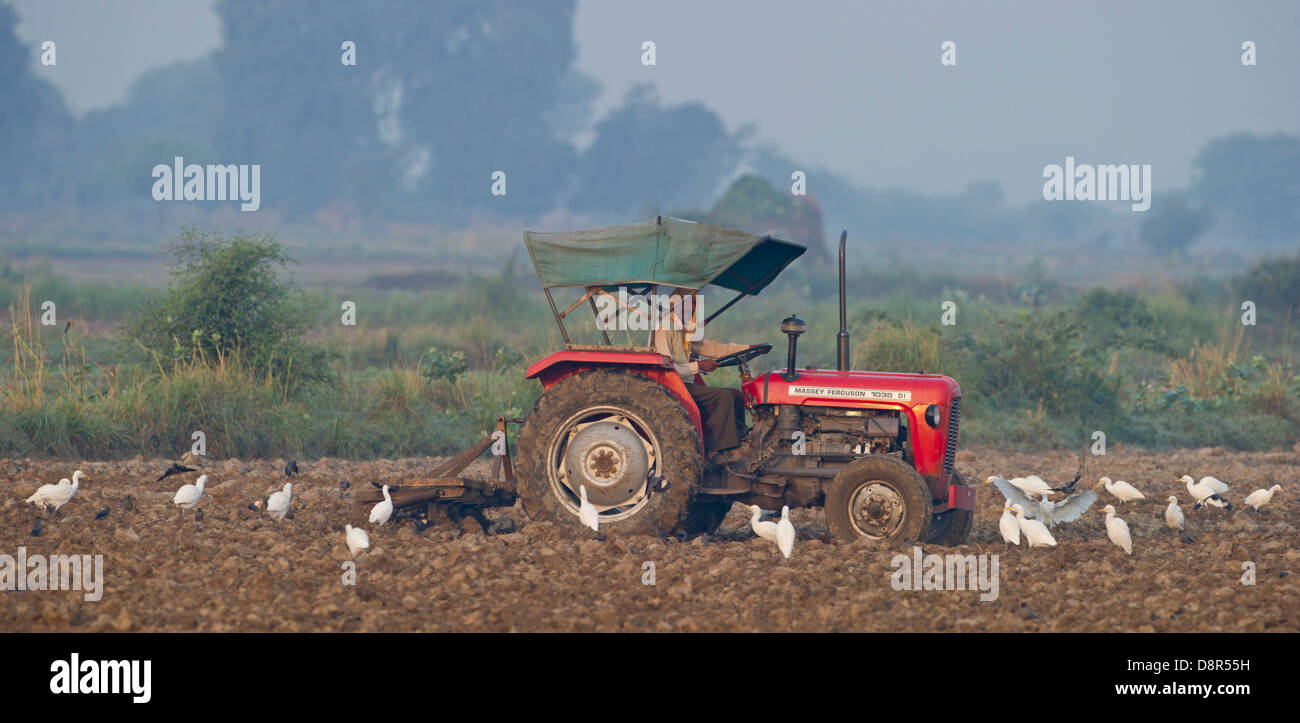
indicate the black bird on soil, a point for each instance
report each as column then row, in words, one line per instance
column 101, row 514
column 291, row 469
column 198, row 515
column 1027, row 611
column 176, row 468
column 128, row 503
column 36, row 528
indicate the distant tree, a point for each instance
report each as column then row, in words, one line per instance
column 1172, row 224
column 1254, row 182
column 753, row 205
column 34, row 126
column 646, row 155
column 442, row 95
column 1273, row 283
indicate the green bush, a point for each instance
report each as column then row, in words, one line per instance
column 229, row 294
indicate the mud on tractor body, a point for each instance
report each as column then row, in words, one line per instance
column 875, row 449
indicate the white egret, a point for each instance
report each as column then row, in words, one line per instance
column 1035, row 532
column 57, row 495
column 277, row 505
column 189, row 495
column 1204, row 494
column 1117, row 530
column 785, row 533
column 1123, row 491
column 1033, row 485
column 1008, row 526
column 587, row 513
column 1259, row 498
column 1014, row 494
column 765, row 529
column 1215, row 484
column 1174, row 518
column 357, row 539
column 1067, row 510
column 1051, row 513
column 381, row 512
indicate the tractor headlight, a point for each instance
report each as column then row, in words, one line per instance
column 932, row 415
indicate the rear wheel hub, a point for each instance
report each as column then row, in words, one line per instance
column 610, row 459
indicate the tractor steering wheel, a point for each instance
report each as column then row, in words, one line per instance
column 744, row 356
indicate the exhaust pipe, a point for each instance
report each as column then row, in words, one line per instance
column 842, row 338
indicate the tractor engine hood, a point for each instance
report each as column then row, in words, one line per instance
column 830, row 388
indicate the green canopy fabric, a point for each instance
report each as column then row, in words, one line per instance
column 664, row 250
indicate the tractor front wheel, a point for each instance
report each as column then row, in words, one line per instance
column 878, row 497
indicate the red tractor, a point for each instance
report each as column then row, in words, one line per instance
column 875, row 449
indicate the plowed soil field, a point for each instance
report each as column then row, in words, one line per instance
column 237, row 570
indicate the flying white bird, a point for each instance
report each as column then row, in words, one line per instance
column 1117, row 530
column 357, row 539
column 277, row 505
column 1206, row 494
column 1123, row 491
column 380, row 513
column 1174, row 518
column 587, row 513
column 57, row 495
column 1051, row 513
column 785, row 533
column 188, row 495
column 1008, row 526
column 765, row 529
column 1035, row 532
column 1259, row 498
column 1067, row 510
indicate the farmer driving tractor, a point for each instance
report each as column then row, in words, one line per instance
column 722, row 410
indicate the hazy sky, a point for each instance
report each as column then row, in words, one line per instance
column 857, row 86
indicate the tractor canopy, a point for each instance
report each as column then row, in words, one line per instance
column 664, row 250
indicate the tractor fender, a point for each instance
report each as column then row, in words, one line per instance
column 551, row 369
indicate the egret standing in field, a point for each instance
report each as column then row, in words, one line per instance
column 1035, row 532
column 380, row 513
column 1174, row 518
column 1009, row 527
column 785, row 533
column 766, row 529
column 1122, row 491
column 1206, row 492
column 57, row 495
column 277, row 505
column 1117, row 530
column 357, row 539
column 188, row 496
column 1259, row 498
column 587, row 513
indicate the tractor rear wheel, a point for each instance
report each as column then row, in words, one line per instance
column 877, row 497
column 621, row 436
column 951, row 527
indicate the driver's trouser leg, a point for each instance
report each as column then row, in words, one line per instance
column 723, row 413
